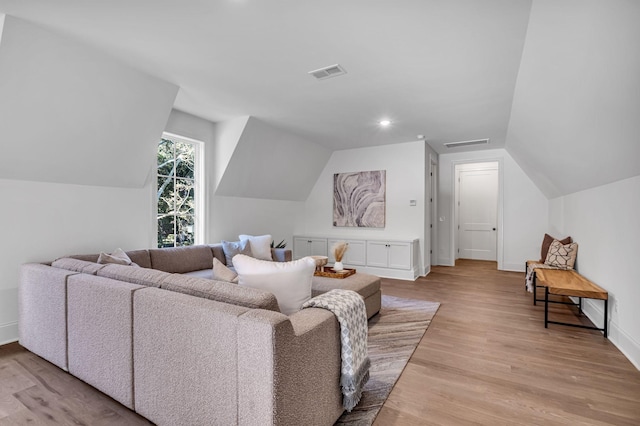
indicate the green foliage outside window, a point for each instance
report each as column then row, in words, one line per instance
column 176, row 193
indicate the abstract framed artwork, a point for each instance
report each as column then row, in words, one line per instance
column 359, row 199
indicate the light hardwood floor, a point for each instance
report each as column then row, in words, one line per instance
column 485, row 359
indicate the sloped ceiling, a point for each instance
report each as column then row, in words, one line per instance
column 69, row 114
column 442, row 68
column 553, row 81
column 575, row 121
column 272, row 164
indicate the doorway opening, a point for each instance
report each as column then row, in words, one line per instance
column 477, row 211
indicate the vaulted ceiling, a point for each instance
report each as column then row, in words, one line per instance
column 554, row 81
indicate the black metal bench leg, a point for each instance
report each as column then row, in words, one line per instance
column 606, row 322
column 580, row 305
column 546, row 307
column 535, row 285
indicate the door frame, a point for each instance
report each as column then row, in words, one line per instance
column 433, row 212
column 454, row 208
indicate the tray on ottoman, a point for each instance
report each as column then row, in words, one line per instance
column 330, row 273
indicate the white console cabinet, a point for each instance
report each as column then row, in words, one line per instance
column 389, row 254
column 309, row 246
column 385, row 258
column 356, row 254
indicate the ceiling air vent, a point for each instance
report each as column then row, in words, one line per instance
column 466, row 143
column 328, row 72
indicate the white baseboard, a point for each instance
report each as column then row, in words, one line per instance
column 398, row 274
column 513, row 267
column 8, row 332
column 594, row 310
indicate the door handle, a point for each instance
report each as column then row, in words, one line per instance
column 494, row 229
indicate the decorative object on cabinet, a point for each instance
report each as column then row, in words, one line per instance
column 339, row 249
column 359, row 199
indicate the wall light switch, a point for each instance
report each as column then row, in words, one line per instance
column 441, row 218
column 412, row 203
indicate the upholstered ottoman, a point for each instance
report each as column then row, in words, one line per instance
column 368, row 286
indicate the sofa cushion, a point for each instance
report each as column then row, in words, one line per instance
column 179, row 260
column 99, row 323
column 221, row 291
column 203, row 273
column 77, row 265
column 218, row 252
column 232, row 248
column 260, row 245
column 140, row 258
column 141, row 276
column 290, row 282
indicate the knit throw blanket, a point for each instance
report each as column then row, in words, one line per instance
column 531, row 268
column 348, row 306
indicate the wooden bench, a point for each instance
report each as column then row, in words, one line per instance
column 568, row 283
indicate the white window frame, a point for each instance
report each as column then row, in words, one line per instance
column 199, row 192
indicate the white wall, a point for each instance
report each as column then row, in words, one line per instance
column 72, row 114
column 604, row 223
column 272, row 163
column 576, row 96
column 524, row 214
column 405, row 175
column 44, row 221
column 253, row 216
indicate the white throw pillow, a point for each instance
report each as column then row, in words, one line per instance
column 260, row 245
column 290, row 282
column 222, row 273
column 118, row 257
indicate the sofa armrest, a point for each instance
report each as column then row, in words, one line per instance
column 281, row 255
column 289, row 368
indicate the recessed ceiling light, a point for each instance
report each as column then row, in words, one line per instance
column 384, row 123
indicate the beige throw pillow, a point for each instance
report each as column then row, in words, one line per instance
column 118, row 257
column 222, row 273
column 290, row 282
column 260, row 245
column 562, row 255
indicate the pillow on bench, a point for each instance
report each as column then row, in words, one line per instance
column 562, row 255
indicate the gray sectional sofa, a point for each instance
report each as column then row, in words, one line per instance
column 179, row 348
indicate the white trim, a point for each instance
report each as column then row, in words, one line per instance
column 398, row 274
column 8, row 332
column 433, row 211
column 454, row 210
column 594, row 310
column 513, row 267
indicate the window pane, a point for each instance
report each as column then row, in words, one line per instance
column 176, row 203
column 185, row 231
column 185, row 197
column 165, row 157
column 166, row 196
column 166, row 236
column 185, row 160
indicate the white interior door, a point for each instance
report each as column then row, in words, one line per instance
column 478, row 214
